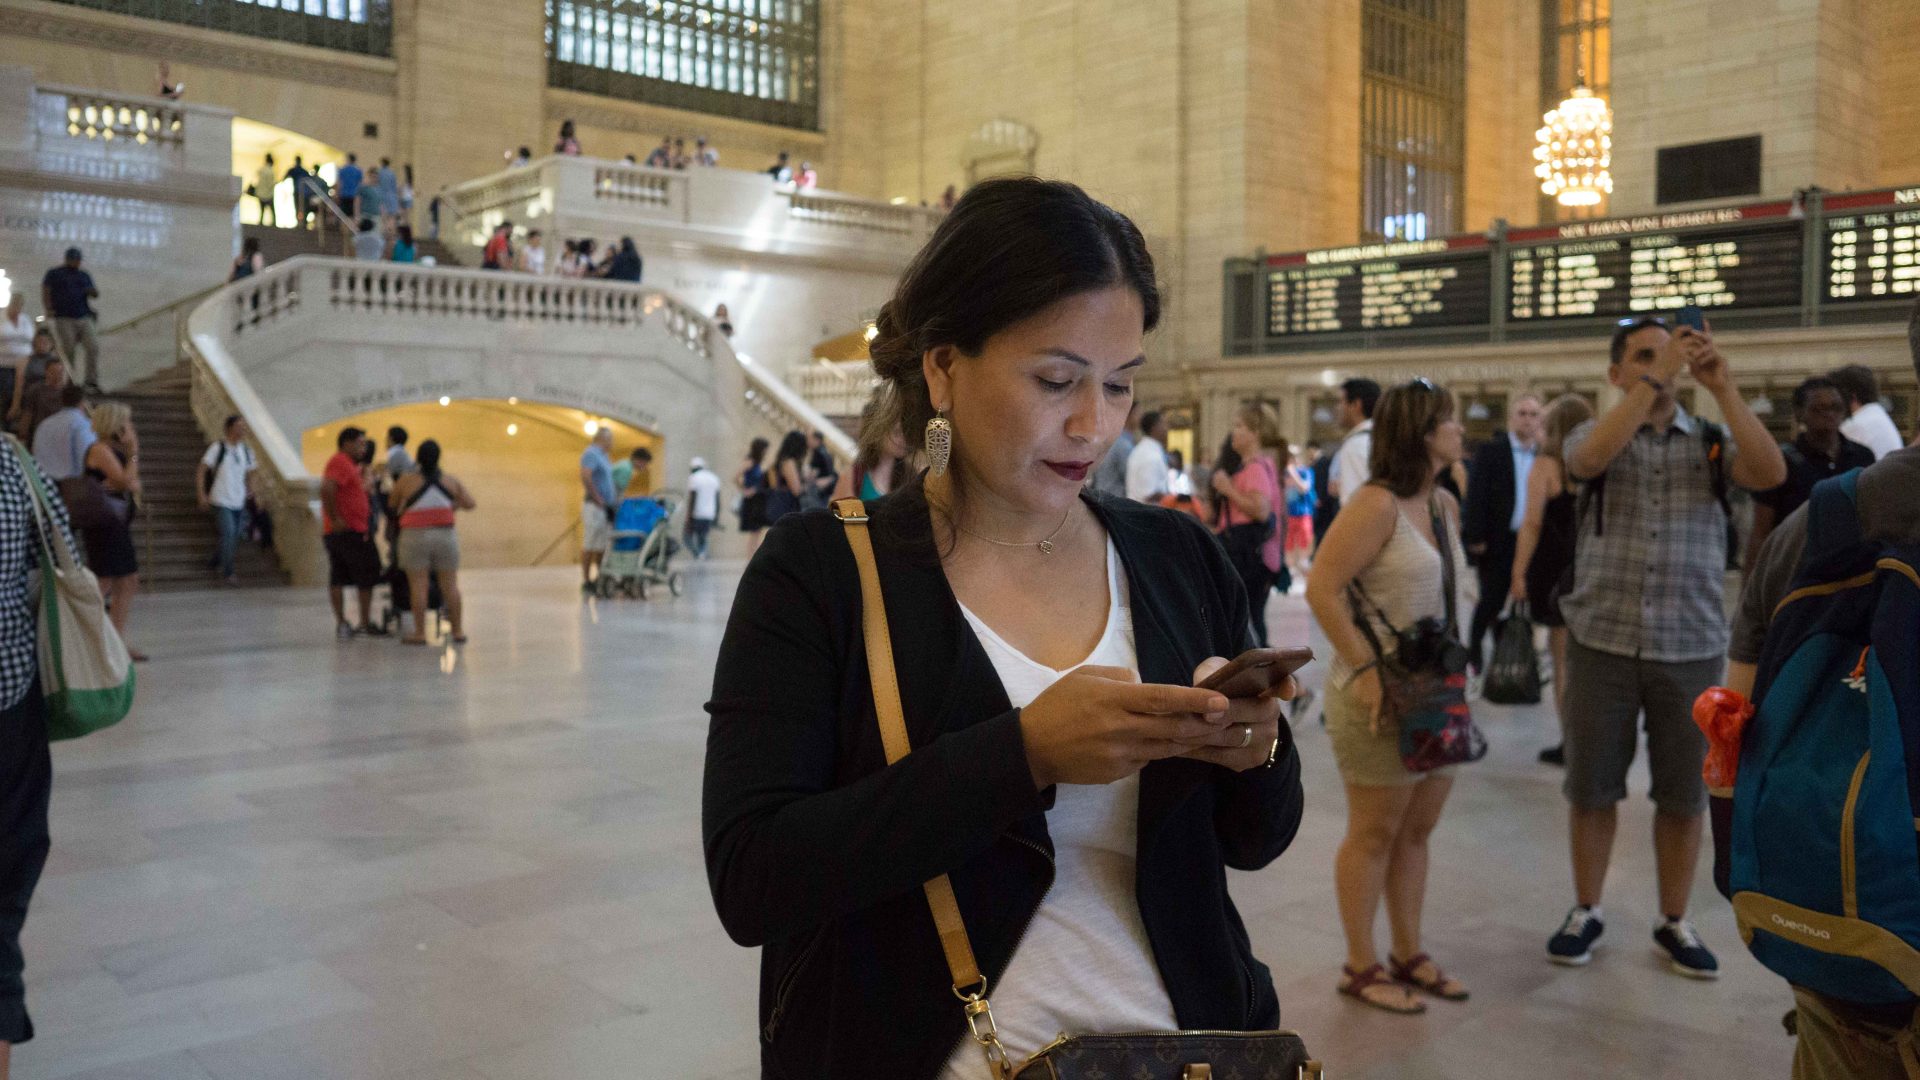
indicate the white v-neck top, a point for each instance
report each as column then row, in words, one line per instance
column 1085, row 964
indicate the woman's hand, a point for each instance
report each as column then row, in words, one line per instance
column 1365, row 689
column 1518, row 591
column 1253, row 724
column 1222, row 482
column 1099, row 724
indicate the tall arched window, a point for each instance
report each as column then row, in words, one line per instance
column 755, row 59
column 1413, row 129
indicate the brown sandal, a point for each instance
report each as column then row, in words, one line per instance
column 1442, row 985
column 1359, row 982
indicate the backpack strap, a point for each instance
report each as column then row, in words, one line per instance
column 1833, row 519
column 1714, row 438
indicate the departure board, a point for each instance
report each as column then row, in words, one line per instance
column 1775, row 263
column 1400, row 286
column 1744, row 257
column 1872, row 246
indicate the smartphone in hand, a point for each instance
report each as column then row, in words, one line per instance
column 1257, row 671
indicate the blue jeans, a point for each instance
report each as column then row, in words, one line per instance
column 230, row 523
column 697, row 536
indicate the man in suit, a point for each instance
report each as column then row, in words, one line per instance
column 1496, row 505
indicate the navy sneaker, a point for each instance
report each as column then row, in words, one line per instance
column 1573, row 946
column 1680, row 946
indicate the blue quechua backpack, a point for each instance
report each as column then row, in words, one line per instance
column 1825, row 858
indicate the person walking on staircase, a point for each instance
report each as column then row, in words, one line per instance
column 263, row 183
column 220, row 485
column 346, row 515
column 346, row 186
column 17, row 339
column 65, row 293
column 41, row 398
column 298, row 176
column 113, row 463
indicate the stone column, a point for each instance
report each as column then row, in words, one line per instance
column 472, row 84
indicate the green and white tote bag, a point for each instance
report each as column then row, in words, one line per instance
column 85, row 670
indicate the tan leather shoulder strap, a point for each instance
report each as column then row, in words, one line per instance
column 893, row 735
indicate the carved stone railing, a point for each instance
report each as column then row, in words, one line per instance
column 308, row 297
column 580, row 196
column 127, row 136
column 848, row 212
column 91, row 116
column 627, row 183
column 834, row 389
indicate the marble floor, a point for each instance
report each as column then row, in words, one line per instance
column 310, row 860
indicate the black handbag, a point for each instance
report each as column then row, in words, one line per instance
column 1141, row 1055
column 1513, row 676
column 1423, row 683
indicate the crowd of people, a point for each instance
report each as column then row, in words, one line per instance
column 409, row 500
column 1612, row 530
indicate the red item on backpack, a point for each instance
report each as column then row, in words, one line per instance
column 1722, row 715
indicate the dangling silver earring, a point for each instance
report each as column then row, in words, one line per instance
column 939, row 445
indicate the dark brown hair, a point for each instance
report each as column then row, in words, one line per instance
column 1009, row 249
column 1407, row 414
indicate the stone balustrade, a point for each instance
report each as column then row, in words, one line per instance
column 315, row 338
column 834, row 389
column 127, row 137
column 579, row 196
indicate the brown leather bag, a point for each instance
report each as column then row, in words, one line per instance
column 1138, row 1055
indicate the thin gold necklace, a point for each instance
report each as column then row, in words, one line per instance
column 1045, row 546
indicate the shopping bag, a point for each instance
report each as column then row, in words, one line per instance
column 1513, row 678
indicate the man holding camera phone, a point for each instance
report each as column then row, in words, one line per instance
column 1646, row 616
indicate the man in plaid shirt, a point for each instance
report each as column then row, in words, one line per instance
column 1646, row 619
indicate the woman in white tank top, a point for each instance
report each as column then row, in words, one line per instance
column 1390, row 539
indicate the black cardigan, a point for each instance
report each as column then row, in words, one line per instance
column 816, row 848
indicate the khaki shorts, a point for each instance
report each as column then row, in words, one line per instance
column 1606, row 697
column 425, row 550
column 596, row 532
column 1834, row 1046
column 1366, row 759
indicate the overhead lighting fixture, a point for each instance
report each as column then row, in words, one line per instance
column 872, row 331
column 513, row 429
column 446, row 401
column 1574, row 150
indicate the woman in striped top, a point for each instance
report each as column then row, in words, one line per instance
column 424, row 502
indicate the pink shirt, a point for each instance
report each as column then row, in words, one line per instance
column 1259, row 476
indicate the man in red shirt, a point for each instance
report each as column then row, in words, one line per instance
column 345, row 515
column 498, row 254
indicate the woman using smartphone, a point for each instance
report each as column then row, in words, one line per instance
column 1081, row 793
